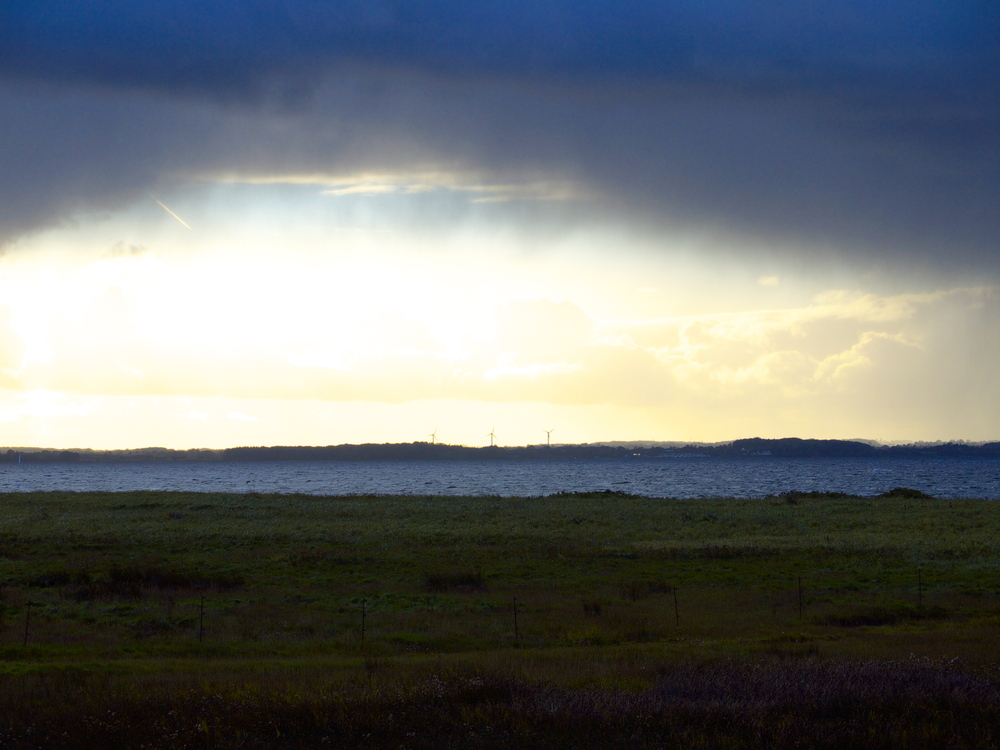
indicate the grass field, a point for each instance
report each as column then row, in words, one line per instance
column 193, row 620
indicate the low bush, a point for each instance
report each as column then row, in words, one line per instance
column 885, row 615
column 459, row 580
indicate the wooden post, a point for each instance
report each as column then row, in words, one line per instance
column 800, row 597
column 201, row 619
column 677, row 613
column 27, row 619
column 920, row 587
column 364, row 603
column 517, row 635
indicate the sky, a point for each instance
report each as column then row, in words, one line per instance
column 309, row 222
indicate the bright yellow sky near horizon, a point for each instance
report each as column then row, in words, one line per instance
column 305, row 313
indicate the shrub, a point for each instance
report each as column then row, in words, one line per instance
column 905, row 493
column 460, row 580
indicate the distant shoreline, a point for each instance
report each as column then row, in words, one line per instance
column 422, row 451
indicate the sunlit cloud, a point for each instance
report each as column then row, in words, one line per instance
column 351, row 329
column 480, row 188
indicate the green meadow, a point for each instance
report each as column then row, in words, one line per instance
column 169, row 619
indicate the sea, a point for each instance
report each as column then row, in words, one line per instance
column 689, row 477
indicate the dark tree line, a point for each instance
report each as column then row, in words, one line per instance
column 751, row 449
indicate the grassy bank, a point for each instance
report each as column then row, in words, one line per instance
column 259, row 604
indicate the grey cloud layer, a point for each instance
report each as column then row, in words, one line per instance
column 220, row 44
column 866, row 130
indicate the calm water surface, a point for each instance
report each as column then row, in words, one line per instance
column 676, row 477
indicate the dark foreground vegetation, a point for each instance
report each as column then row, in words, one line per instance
column 761, row 704
column 175, row 620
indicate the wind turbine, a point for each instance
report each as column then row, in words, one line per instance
column 548, row 436
column 492, row 436
column 433, row 436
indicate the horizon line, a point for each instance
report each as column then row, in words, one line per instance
column 595, row 444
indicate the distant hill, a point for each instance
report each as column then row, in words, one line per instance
column 749, row 448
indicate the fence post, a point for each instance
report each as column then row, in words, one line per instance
column 364, row 612
column 517, row 635
column 677, row 613
column 920, row 587
column 800, row 597
column 27, row 619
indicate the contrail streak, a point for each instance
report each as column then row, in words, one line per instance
column 169, row 211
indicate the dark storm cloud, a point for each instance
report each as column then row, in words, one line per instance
column 866, row 127
column 227, row 47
